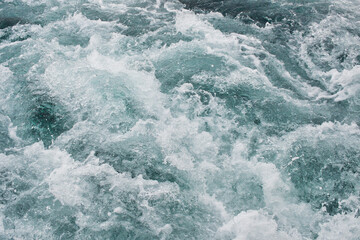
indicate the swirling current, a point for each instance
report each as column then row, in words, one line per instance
column 180, row 119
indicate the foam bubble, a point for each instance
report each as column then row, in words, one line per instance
column 247, row 225
column 340, row 227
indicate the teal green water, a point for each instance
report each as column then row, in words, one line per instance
column 190, row 119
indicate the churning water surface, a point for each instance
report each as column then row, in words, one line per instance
column 180, row 119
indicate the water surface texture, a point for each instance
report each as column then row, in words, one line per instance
column 180, row 119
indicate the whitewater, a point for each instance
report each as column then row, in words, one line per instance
column 180, row 119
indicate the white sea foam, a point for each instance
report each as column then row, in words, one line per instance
column 154, row 146
column 247, row 225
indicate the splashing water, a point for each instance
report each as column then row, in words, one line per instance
column 190, row 119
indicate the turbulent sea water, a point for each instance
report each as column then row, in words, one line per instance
column 180, row 119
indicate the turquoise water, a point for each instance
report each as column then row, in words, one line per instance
column 190, row 119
